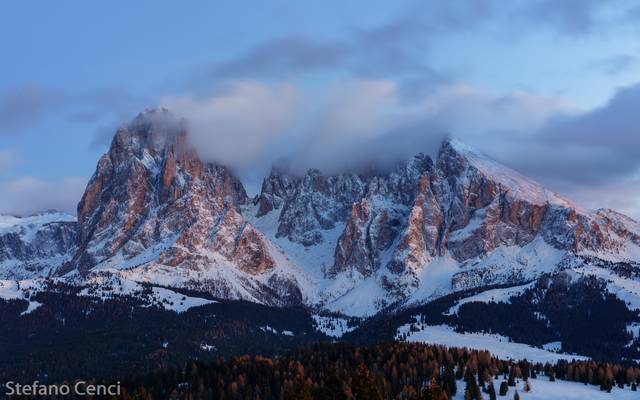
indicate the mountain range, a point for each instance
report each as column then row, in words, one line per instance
column 170, row 259
column 355, row 243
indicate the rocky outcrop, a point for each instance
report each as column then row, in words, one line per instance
column 465, row 207
column 35, row 246
column 422, row 239
column 152, row 200
column 154, row 211
column 317, row 203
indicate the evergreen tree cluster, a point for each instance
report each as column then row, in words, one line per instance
column 384, row 371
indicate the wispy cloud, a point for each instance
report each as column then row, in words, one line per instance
column 23, row 107
column 236, row 126
column 29, row 195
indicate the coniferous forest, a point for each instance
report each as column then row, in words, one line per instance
column 385, row 371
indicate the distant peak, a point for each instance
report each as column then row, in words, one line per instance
column 158, row 119
column 154, row 130
column 455, row 156
column 456, row 145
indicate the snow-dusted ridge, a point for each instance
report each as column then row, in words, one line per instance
column 28, row 225
column 103, row 286
column 518, row 185
column 350, row 243
column 35, row 245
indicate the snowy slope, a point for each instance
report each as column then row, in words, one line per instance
column 518, row 186
column 12, row 290
column 499, row 346
column 35, row 245
column 491, row 296
column 28, row 226
column 543, row 389
column 104, row 286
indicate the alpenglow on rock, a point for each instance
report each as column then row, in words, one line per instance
column 355, row 243
column 153, row 208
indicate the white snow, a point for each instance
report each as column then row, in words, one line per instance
column 269, row 329
column 119, row 261
column 177, row 302
column 435, row 279
column 492, row 296
column 33, row 305
column 474, row 223
column 512, row 263
column 444, row 275
column 361, row 298
column 10, row 290
column 104, row 287
column 634, row 329
column 543, row 389
column 42, row 262
column 553, row 346
column 498, row 345
column 520, row 187
column 17, row 290
column 207, row 347
column 332, row 326
column 313, row 259
column 28, row 226
column 627, row 290
column 214, row 270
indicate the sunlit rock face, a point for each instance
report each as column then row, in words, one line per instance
column 153, row 201
column 155, row 212
column 463, row 207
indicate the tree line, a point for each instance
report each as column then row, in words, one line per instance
column 385, row 371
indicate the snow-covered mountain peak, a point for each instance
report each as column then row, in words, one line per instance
column 155, row 212
column 455, row 156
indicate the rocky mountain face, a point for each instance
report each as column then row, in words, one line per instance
column 495, row 225
column 352, row 242
column 152, row 201
column 36, row 245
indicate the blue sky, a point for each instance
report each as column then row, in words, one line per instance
column 547, row 87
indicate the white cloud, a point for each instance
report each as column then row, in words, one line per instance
column 366, row 120
column 235, row 127
column 249, row 125
column 28, row 195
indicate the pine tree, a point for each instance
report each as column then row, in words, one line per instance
column 491, row 390
column 516, row 396
column 512, row 377
column 504, row 388
column 433, row 392
column 334, row 388
column 449, row 382
column 364, row 387
column 472, row 390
